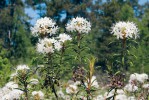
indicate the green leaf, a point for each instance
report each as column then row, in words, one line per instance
column 109, row 67
column 123, row 60
column 131, row 64
column 118, row 72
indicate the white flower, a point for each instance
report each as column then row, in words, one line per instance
column 121, row 97
column 22, row 67
column 1, row 93
column 11, row 85
column 139, row 77
column 78, row 24
column 120, row 91
column 77, row 83
column 38, row 94
column 142, row 77
column 130, row 88
column 6, row 97
column 125, row 30
column 57, row 45
column 72, row 89
column 8, row 92
column 44, row 26
column 34, row 81
column 134, row 76
column 5, row 90
column 94, row 82
column 15, row 94
column 46, row 45
column 64, row 37
column 146, row 86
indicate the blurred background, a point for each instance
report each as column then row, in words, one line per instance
column 17, row 45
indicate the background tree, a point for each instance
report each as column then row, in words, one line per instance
column 14, row 35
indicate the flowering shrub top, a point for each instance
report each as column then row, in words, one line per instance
column 44, row 26
column 78, row 24
column 47, row 45
column 22, row 67
column 124, row 30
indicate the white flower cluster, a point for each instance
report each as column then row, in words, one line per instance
column 137, row 82
column 64, row 37
column 134, row 80
column 131, row 87
column 146, row 86
column 120, row 95
column 38, row 95
column 78, row 24
column 124, row 30
column 49, row 45
column 138, row 77
column 46, row 45
column 9, row 92
column 72, row 88
column 44, row 26
column 22, row 67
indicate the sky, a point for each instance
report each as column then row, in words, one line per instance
column 143, row 1
column 34, row 13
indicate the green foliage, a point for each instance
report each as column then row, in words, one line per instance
column 141, row 62
column 126, row 13
column 5, row 66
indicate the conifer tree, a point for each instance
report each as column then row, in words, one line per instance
column 14, row 29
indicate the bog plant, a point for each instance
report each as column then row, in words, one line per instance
column 124, row 31
column 54, row 46
column 21, row 85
